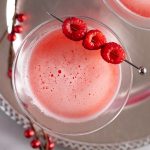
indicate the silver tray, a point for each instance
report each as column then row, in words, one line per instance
column 132, row 128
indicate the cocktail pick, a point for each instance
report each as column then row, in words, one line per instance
column 141, row 70
column 55, row 17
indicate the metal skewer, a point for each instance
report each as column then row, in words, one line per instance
column 141, row 70
column 55, row 17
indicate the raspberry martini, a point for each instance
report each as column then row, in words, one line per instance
column 71, row 75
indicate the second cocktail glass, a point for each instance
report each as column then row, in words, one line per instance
column 135, row 12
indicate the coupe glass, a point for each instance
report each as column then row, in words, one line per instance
column 49, row 123
column 130, row 17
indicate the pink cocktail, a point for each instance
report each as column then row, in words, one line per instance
column 66, row 88
column 63, row 73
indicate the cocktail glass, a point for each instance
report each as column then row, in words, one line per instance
column 50, row 123
column 135, row 13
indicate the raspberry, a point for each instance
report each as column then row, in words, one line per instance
column 74, row 28
column 113, row 53
column 94, row 39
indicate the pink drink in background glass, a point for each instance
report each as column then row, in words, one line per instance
column 139, row 7
column 134, row 12
column 68, row 82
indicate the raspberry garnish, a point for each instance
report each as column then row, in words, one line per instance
column 113, row 53
column 74, row 28
column 94, row 39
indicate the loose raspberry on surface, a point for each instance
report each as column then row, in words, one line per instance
column 74, row 28
column 93, row 40
column 113, row 53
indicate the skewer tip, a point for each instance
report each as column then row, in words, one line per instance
column 48, row 13
column 142, row 70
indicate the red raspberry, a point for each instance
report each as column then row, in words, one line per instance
column 94, row 39
column 113, row 53
column 74, row 28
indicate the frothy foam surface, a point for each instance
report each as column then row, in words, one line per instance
column 140, row 7
column 69, row 82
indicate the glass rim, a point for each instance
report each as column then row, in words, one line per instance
column 30, row 115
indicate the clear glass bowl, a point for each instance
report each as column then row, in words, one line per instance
column 49, row 123
column 126, row 15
